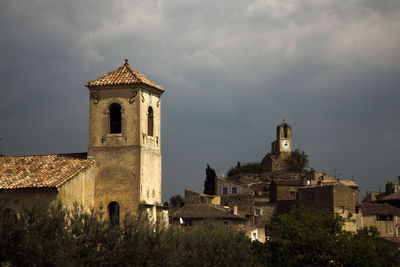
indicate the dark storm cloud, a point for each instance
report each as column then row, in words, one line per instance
column 232, row 71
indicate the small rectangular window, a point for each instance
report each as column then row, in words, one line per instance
column 292, row 194
column 225, row 191
column 234, row 190
column 384, row 217
column 229, row 190
column 257, row 212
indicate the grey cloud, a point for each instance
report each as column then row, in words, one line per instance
column 232, row 70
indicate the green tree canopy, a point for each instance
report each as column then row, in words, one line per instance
column 176, row 201
column 53, row 236
column 250, row 167
column 304, row 238
column 298, row 161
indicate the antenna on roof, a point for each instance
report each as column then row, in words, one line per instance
column 126, row 61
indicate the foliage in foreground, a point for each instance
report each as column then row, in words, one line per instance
column 53, row 236
column 301, row 238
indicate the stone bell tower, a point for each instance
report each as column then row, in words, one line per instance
column 281, row 149
column 283, row 142
column 125, row 142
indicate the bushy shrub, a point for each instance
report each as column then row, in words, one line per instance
column 303, row 238
column 251, row 167
column 297, row 161
column 53, row 236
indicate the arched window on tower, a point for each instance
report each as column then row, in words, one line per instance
column 285, row 131
column 150, row 121
column 115, row 118
column 113, row 212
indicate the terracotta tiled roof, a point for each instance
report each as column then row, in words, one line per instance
column 379, row 209
column 204, row 211
column 392, row 196
column 40, row 171
column 124, row 75
column 349, row 183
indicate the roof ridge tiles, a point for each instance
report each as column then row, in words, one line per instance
column 41, row 171
column 44, row 154
column 124, row 75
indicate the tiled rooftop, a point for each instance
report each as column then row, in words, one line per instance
column 124, row 75
column 392, row 196
column 349, row 183
column 379, row 209
column 40, row 171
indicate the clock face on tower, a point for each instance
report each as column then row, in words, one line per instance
column 285, row 145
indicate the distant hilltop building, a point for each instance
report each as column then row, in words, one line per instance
column 281, row 149
column 122, row 169
column 247, row 200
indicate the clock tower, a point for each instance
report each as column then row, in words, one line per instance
column 281, row 149
column 283, row 142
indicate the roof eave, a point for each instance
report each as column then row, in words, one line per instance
column 158, row 90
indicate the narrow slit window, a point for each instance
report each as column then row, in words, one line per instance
column 150, row 123
column 113, row 213
column 285, row 131
column 115, row 118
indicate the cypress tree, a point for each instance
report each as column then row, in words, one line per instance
column 209, row 184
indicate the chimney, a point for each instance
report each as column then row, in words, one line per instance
column 235, row 210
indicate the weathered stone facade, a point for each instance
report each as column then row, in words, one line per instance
column 128, row 164
column 284, row 189
column 128, row 160
column 336, row 198
column 380, row 215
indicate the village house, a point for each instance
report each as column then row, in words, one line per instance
column 383, row 216
column 201, row 207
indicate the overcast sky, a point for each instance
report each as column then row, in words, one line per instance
column 232, row 70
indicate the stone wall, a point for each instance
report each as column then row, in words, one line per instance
column 244, row 202
column 228, row 184
column 279, row 192
column 316, row 197
column 385, row 228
